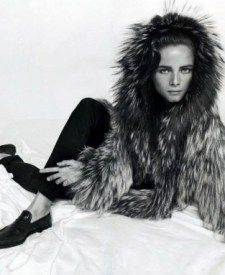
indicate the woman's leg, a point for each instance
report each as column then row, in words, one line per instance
column 86, row 126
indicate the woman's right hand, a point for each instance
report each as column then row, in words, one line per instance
column 66, row 172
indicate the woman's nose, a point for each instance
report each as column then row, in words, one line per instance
column 175, row 79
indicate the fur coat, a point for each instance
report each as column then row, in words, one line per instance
column 187, row 161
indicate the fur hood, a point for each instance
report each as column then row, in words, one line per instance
column 189, row 151
column 134, row 91
column 135, row 97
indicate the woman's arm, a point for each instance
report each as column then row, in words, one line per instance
column 203, row 175
column 105, row 176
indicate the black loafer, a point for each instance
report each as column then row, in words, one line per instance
column 8, row 149
column 17, row 232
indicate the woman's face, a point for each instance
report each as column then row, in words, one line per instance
column 174, row 73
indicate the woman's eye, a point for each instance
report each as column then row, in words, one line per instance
column 164, row 71
column 186, row 70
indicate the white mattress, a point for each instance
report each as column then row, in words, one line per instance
column 83, row 243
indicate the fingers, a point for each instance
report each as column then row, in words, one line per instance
column 60, row 180
column 49, row 170
column 66, row 183
column 71, row 179
column 53, row 177
column 65, row 175
column 66, row 162
column 72, row 163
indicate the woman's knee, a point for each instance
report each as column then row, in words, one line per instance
column 89, row 103
column 89, row 107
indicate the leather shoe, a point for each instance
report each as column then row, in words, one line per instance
column 17, row 232
column 8, row 149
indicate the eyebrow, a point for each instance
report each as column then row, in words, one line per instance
column 168, row 67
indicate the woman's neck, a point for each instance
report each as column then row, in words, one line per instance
column 160, row 105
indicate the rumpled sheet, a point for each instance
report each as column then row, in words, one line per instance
column 84, row 243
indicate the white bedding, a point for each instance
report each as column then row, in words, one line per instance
column 83, row 243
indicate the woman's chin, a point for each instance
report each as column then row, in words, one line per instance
column 170, row 99
column 174, row 99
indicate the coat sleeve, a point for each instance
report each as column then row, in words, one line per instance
column 203, row 172
column 106, row 180
column 135, row 204
column 106, row 174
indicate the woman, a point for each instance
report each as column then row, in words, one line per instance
column 162, row 147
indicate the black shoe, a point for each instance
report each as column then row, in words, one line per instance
column 8, row 149
column 17, row 232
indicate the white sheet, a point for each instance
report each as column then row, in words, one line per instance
column 83, row 243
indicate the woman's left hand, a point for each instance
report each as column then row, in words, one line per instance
column 66, row 172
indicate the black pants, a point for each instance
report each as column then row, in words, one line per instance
column 87, row 125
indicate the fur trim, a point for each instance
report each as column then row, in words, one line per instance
column 106, row 175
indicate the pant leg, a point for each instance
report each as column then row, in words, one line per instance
column 86, row 126
column 22, row 172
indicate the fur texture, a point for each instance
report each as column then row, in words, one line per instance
column 184, row 153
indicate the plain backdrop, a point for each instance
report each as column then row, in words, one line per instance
column 53, row 53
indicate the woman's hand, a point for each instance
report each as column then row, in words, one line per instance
column 66, row 172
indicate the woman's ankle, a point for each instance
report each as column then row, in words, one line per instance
column 39, row 207
column 4, row 155
column 38, row 213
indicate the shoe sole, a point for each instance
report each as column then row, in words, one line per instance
column 23, row 240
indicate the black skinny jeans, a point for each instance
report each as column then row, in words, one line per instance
column 86, row 126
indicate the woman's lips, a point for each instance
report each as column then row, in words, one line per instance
column 175, row 92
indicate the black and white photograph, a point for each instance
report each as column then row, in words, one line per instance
column 112, row 137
